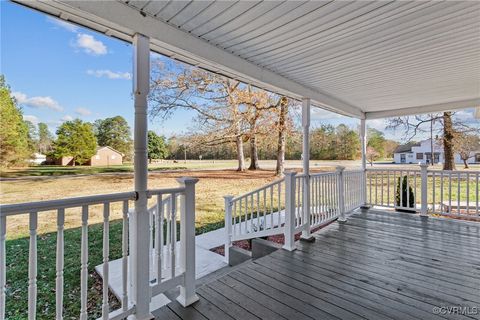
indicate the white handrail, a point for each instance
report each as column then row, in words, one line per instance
column 271, row 184
column 19, row 208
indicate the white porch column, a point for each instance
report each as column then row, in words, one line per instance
column 306, row 168
column 363, row 141
column 139, row 237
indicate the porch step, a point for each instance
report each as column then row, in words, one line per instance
column 206, row 262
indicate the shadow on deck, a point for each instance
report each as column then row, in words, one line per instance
column 379, row 265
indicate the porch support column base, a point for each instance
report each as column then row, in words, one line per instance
column 307, row 239
column 342, row 220
column 186, row 302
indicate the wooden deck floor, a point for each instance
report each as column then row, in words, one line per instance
column 379, row 265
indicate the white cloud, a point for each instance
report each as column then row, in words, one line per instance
column 83, row 111
column 37, row 102
column 378, row 124
column 90, row 45
column 110, row 74
column 67, row 118
column 321, row 114
column 33, row 119
column 63, row 24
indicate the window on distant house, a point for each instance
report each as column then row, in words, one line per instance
column 419, row 156
column 97, row 157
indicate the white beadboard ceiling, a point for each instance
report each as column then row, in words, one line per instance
column 359, row 58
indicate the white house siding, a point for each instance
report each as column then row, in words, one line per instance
column 424, row 148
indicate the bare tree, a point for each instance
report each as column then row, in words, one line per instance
column 466, row 145
column 213, row 98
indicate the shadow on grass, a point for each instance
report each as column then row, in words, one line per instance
column 54, row 171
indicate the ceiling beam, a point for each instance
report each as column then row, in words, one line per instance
column 439, row 107
column 117, row 19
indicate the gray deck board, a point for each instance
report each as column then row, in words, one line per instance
column 379, row 265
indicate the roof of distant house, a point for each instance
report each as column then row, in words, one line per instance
column 406, row 147
column 100, row 148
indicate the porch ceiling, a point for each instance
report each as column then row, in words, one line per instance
column 361, row 58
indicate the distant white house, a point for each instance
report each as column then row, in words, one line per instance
column 38, row 158
column 421, row 152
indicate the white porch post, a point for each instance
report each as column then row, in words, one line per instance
column 363, row 141
column 290, row 208
column 187, row 244
column 341, row 194
column 306, row 168
column 228, row 226
column 424, row 195
column 139, row 245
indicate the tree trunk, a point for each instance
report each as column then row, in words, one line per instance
column 281, row 140
column 253, row 153
column 240, row 156
column 465, row 163
column 448, row 136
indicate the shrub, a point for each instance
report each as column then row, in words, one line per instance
column 402, row 187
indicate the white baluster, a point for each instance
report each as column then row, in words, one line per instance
column 125, row 256
column 84, row 265
column 32, row 267
column 60, row 262
column 106, row 249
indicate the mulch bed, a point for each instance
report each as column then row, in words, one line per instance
column 246, row 244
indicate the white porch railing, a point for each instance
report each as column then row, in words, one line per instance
column 280, row 208
column 174, row 248
column 449, row 193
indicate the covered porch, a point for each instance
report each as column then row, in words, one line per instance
column 378, row 265
column 366, row 60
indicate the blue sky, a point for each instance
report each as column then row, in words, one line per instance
column 59, row 71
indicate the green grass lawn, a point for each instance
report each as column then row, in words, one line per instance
column 17, row 272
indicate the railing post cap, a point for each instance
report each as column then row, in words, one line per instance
column 423, row 165
column 290, row 173
column 229, row 197
column 339, row 168
column 187, row 180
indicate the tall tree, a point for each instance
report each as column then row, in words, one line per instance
column 376, row 140
column 15, row 146
column 211, row 97
column 448, row 136
column 282, row 135
column 114, row 132
column 75, row 139
column 45, row 139
column 157, row 148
